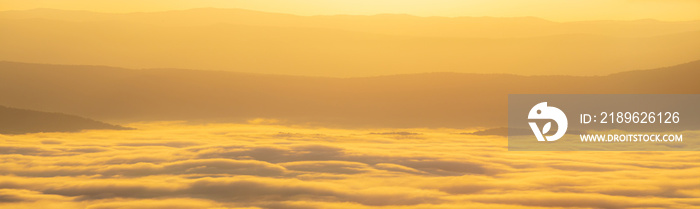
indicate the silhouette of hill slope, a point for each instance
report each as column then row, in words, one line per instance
column 20, row 121
column 413, row 100
column 336, row 52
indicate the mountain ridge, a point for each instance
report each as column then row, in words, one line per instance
column 449, row 100
column 330, row 52
column 105, row 67
column 23, row 121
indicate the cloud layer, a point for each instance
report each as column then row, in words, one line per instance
column 172, row 165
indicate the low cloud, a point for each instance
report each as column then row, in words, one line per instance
column 172, row 165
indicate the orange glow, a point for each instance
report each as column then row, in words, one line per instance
column 548, row 9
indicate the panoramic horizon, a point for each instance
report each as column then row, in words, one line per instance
column 345, row 104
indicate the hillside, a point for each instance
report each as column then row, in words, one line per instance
column 412, row 100
column 21, row 121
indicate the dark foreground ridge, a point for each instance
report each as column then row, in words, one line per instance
column 20, row 121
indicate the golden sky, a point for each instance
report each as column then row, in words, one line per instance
column 557, row 10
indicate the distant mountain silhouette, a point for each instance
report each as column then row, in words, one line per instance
column 343, row 46
column 20, row 121
column 414, row 100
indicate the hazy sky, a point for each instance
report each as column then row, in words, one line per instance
column 549, row 9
